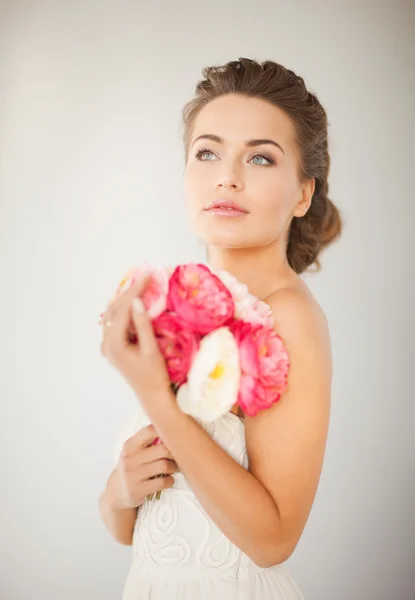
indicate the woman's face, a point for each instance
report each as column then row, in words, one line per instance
column 231, row 161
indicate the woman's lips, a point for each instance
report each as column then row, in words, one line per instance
column 227, row 212
column 226, row 208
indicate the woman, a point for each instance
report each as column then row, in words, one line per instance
column 238, row 493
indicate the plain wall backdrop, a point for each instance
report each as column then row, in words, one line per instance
column 91, row 165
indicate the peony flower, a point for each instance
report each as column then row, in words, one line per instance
column 200, row 298
column 213, row 379
column 155, row 293
column 247, row 307
column 264, row 366
column 177, row 343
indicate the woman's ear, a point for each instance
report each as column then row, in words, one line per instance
column 307, row 191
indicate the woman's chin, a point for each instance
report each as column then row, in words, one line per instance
column 226, row 241
column 227, row 235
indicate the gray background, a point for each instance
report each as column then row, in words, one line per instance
column 91, row 170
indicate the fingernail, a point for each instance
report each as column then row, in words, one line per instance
column 138, row 306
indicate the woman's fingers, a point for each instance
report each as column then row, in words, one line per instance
column 150, row 460
column 143, row 440
column 158, row 467
column 153, row 453
column 143, row 327
column 124, row 299
column 117, row 333
column 151, row 486
column 148, row 456
column 140, row 440
column 111, row 309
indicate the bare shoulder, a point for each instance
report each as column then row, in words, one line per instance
column 286, row 443
column 298, row 315
column 302, row 324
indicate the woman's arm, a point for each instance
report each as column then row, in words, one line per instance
column 264, row 510
column 119, row 522
column 138, row 462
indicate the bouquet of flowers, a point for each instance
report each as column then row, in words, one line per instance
column 217, row 339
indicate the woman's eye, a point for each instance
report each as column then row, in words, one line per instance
column 203, row 153
column 258, row 158
column 206, row 155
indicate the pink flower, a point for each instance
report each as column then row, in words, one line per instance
column 264, row 366
column 262, row 313
column 178, row 345
column 247, row 307
column 200, row 298
column 155, row 294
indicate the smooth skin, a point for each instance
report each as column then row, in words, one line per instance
column 133, row 479
column 263, row 510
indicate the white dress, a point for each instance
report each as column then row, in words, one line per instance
column 180, row 554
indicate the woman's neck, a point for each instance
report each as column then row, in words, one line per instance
column 262, row 269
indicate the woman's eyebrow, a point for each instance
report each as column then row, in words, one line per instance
column 249, row 143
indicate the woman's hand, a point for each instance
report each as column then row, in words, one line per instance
column 139, row 463
column 139, row 361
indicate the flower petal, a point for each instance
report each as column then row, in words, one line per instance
column 213, row 378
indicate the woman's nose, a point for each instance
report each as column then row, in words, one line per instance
column 231, row 182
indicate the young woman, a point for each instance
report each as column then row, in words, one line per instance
column 238, row 492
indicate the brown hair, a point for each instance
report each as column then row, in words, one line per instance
column 270, row 81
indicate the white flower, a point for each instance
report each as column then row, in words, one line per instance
column 214, row 377
column 247, row 307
